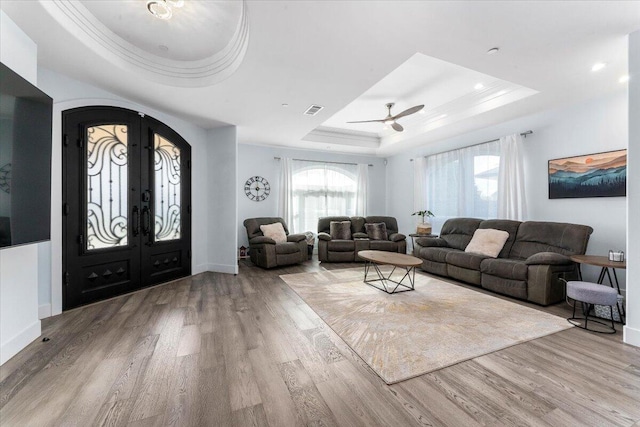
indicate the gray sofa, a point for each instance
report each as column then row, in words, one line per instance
column 529, row 267
column 265, row 252
column 346, row 250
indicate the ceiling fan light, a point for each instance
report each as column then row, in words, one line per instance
column 160, row 9
column 389, row 122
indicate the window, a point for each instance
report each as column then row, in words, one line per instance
column 319, row 190
column 463, row 183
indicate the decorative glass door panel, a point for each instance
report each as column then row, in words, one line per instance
column 107, row 186
column 126, row 201
column 167, row 183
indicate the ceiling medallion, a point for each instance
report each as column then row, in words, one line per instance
column 162, row 8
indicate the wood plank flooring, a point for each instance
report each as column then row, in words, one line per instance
column 245, row 350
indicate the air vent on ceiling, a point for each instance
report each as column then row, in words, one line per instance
column 313, row 110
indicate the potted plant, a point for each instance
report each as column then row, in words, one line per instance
column 425, row 226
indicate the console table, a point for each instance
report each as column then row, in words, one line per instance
column 603, row 261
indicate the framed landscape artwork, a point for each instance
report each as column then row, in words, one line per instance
column 593, row 175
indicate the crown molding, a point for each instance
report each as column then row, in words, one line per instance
column 330, row 135
column 83, row 25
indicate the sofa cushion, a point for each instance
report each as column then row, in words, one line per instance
column 390, row 222
column 457, row 232
column 376, row 231
column 562, row 238
column 487, row 242
column 383, row 245
column 514, row 288
column 340, row 246
column 465, row 259
column 274, row 231
column 287, row 248
column 507, row 268
column 340, row 230
column 357, row 224
column 324, row 223
column 507, row 225
column 548, row 258
column 436, row 254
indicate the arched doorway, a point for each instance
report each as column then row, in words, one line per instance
column 126, row 203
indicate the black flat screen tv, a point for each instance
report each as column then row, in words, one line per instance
column 25, row 161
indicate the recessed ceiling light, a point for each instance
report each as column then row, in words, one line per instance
column 493, row 50
column 285, row 105
column 598, row 66
column 624, row 78
column 478, row 86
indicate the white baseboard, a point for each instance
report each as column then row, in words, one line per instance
column 223, row 268
column 44, row 310
column 20, row 341
column 631, row 336
column 201, row 268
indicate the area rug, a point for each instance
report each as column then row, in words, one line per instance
column 404, row 335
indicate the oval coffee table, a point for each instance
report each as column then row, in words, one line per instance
column 376, row 258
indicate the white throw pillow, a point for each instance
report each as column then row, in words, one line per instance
column 274, row 231
column 487, row 241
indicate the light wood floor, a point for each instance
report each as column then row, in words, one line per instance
column 217, row 350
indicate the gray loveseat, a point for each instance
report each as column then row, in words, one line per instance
column 346, row 250
column 529, row 267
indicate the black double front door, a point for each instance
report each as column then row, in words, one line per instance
column 126, row 204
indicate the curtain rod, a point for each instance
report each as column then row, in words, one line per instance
column 523, row 134
column 322, row 161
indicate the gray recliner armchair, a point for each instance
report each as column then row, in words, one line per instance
column 266, row 253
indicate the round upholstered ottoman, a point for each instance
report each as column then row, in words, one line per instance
column 590, row 294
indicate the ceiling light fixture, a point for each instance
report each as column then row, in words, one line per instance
column 493, row 50
column 624, row 79
column 598, row 66
column 478, row 86
column 162, row 8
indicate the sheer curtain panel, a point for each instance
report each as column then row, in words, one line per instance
column 362, row 189
column 316, row 190
column 285, row 209
column 462, row 183
column 511, row 194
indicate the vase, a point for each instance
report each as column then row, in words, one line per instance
column 424, row 228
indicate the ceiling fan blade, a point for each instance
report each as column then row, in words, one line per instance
column 369, row 121
column 409, row 111
column 397, row 126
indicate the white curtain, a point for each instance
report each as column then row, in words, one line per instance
column 285, row 209
column 362, row 189
column 419, row 186
column 463, row 183
column 511, row 193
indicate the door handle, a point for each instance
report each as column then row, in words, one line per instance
column 146, row 221
column 136, row 221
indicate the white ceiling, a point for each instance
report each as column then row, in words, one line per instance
column 333, row 53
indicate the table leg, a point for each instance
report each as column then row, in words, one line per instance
column 619, row 306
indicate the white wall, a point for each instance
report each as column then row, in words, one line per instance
column 632, row 329
column 259, row 160
column 19, row 324
column 223, row 199
column 591, row 127
column 69, row 93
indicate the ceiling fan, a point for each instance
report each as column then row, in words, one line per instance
column 392, row 120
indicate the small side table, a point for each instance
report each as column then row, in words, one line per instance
column 603, row 261
column 418, row 235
